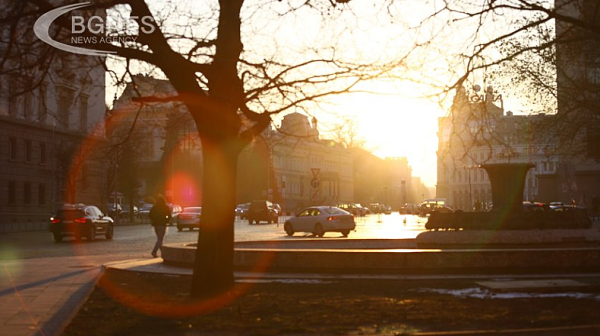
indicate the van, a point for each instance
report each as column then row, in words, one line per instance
column 261, row 211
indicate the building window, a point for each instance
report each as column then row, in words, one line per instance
column 13, row 98
column 12, row 148
column 27, row 105
column 41, row 117
column 83, row 113
column 64, row 101
column 43, row 153
column 42, row 194
column 12, row 192
column 27, row 193
column 28, row 150
column 84, row 176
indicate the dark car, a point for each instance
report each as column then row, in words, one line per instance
column 144, row 210
column 261, row 211
column 114, row 210
column 127, row 210
column 241, row 210
column 80, row 220
column 535, row 206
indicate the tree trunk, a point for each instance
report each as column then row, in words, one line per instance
column 213, row 267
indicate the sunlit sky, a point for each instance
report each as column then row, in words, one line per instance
column 397, row 122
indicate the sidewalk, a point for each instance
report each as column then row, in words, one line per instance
column 40, row 296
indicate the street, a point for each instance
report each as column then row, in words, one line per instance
column 136, row 241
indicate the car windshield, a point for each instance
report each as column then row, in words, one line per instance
column 193, row 209
column 70, row 213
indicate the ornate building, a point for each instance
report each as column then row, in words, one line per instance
column 295, row 167
column 158, row 149
column 477, row 132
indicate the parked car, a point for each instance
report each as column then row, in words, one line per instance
column 261, row 211
column 568, row 208
column 277, row 208
column 189, row 218
column 241, row 210
column 175, row 211
column 126, row 209
column 320, row 219
column 375, row 208
column 144, row 210
column 534, row 206
column 80, row 220
column 114, row 210
column 555, row 205
column 409, row 209
column 354, row 208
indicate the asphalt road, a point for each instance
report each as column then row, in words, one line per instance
column 136, row 241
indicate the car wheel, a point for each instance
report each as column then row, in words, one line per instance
column 110, row 232
column 345, row 233
column 179, row 228
column 319, row 230
column 91, row 235
column 288, row 228
column 57, row 237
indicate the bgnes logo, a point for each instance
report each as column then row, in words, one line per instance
column 95, row 25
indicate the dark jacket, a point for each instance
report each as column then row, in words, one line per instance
column 160, row 214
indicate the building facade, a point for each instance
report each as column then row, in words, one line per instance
column 479, row 132
column 578, row 93
column 52, row 144
column 296, row 167
column 158, row 147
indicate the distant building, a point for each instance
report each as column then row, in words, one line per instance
column 578, row 91
column 295, row 167
column 477, row 132
column 159, row 150
column 52, row 144
column 385, row 181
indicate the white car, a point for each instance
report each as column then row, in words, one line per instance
column 320, row 219
column 189, row 218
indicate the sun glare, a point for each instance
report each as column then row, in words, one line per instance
column 395, row 125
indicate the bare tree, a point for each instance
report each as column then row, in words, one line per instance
column 345, row 132
column 544, row 53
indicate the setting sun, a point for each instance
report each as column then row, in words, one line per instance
column 395, row 125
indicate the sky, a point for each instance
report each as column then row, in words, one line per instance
column 394, row 119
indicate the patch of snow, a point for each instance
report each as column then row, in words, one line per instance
column 287, row 281
column 481, row 293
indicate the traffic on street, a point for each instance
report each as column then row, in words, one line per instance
column 136, row 240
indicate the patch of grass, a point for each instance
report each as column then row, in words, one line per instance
column 127, row 303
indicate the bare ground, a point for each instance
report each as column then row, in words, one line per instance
column 126, row 303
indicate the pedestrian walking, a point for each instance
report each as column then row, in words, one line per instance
column 160, row 216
